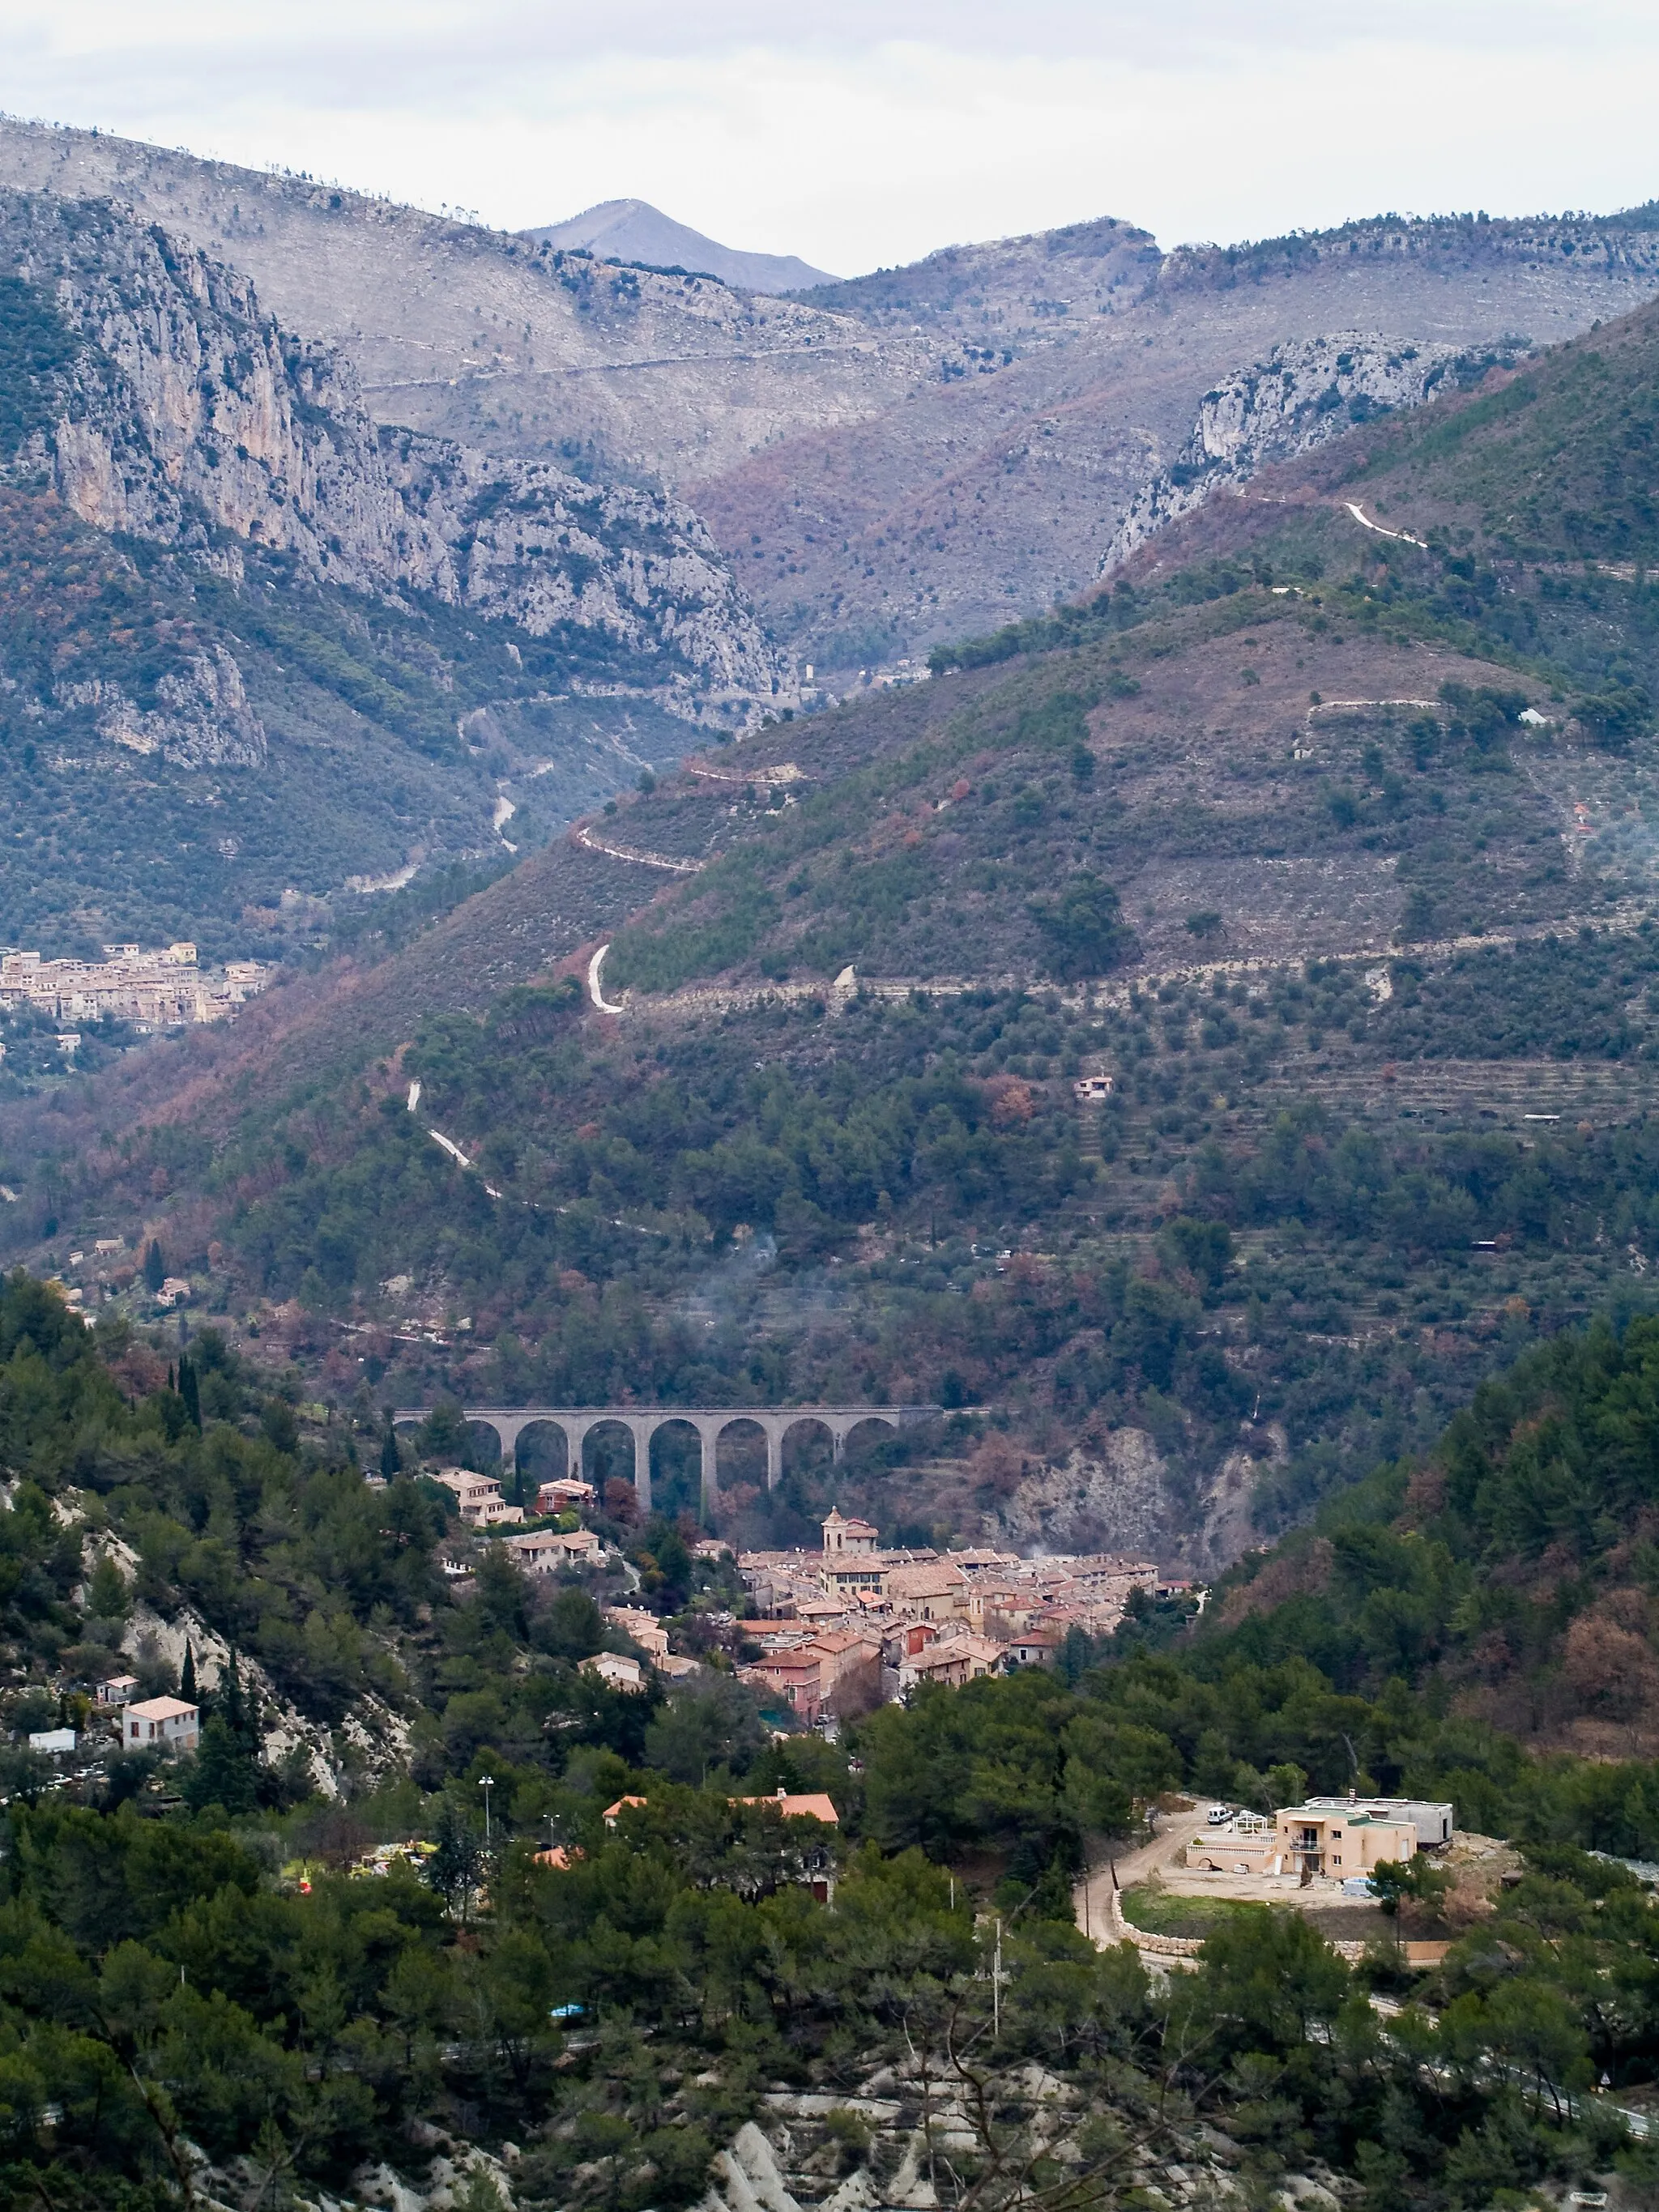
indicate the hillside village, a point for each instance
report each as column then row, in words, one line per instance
column 854, row 1625
column 825, row 1635
column 163, row 989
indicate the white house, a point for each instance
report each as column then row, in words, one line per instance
column 160, row 1724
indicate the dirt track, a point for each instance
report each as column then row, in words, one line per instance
column 1093, row 1897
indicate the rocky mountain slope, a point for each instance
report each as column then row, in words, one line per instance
column 1004, row 488
column 184, row 411
column 491, row 339
column 889, row 462
column 1315, row 850
column 632, row 230
column 221, row 569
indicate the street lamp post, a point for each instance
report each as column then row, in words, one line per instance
column 486, row 1782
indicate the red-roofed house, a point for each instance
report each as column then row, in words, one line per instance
column 803, row 1805
column 952, row 1661
column 613, row 1813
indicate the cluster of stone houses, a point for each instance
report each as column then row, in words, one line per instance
column 482, row 1507
column 850, row 1623
column 163, row 989
column 893, row 1619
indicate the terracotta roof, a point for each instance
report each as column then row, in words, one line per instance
column 926, row 1581
column 560, row 1857
column 806, row 1805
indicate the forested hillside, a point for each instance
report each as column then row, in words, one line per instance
column 217, row 1983
column 1325, row 848
column 1512, row 1567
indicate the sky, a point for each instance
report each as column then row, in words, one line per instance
column 868, row 133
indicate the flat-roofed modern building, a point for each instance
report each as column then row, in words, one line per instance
column 1434, row 1823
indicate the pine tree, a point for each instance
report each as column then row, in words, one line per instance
column 155, row 1267
column 190, row 1389
column 187, row 1675
column 107, row 1591
column 454, row 1867
column 222, row 1774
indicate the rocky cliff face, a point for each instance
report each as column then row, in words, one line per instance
column 185, row 416
column 1300, row 396
column 1125, row 1499
column 202, row 717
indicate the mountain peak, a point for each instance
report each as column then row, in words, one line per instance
column 632, row 230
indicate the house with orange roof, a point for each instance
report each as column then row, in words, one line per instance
column 612, row 1814
column 953, row 1661
column 799, row 1805
column 936, row 1592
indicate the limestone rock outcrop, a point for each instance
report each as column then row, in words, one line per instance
column 1116, row 1499
column 1300, row 396
column 187, row 417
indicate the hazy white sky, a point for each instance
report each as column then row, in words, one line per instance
column 856, row 133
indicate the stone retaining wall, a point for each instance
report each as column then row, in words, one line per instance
column 1161, row 1947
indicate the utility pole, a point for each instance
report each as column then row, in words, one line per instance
column 996, row 1985
column 486, row 1782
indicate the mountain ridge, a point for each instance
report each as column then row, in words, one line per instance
column 887, row 464
column 232, row 603
column 633, row 230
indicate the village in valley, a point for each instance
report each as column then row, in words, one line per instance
column 823, row 1636
column 60, row 1017
column 852, row 1625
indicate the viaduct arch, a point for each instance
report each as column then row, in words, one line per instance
column 774, row 1422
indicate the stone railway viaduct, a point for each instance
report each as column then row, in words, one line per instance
column 576, row 1423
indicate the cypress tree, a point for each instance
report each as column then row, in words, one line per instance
column 391, row 1460
column 190, row 1389
column 155, row 1267
column 187, row 1675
